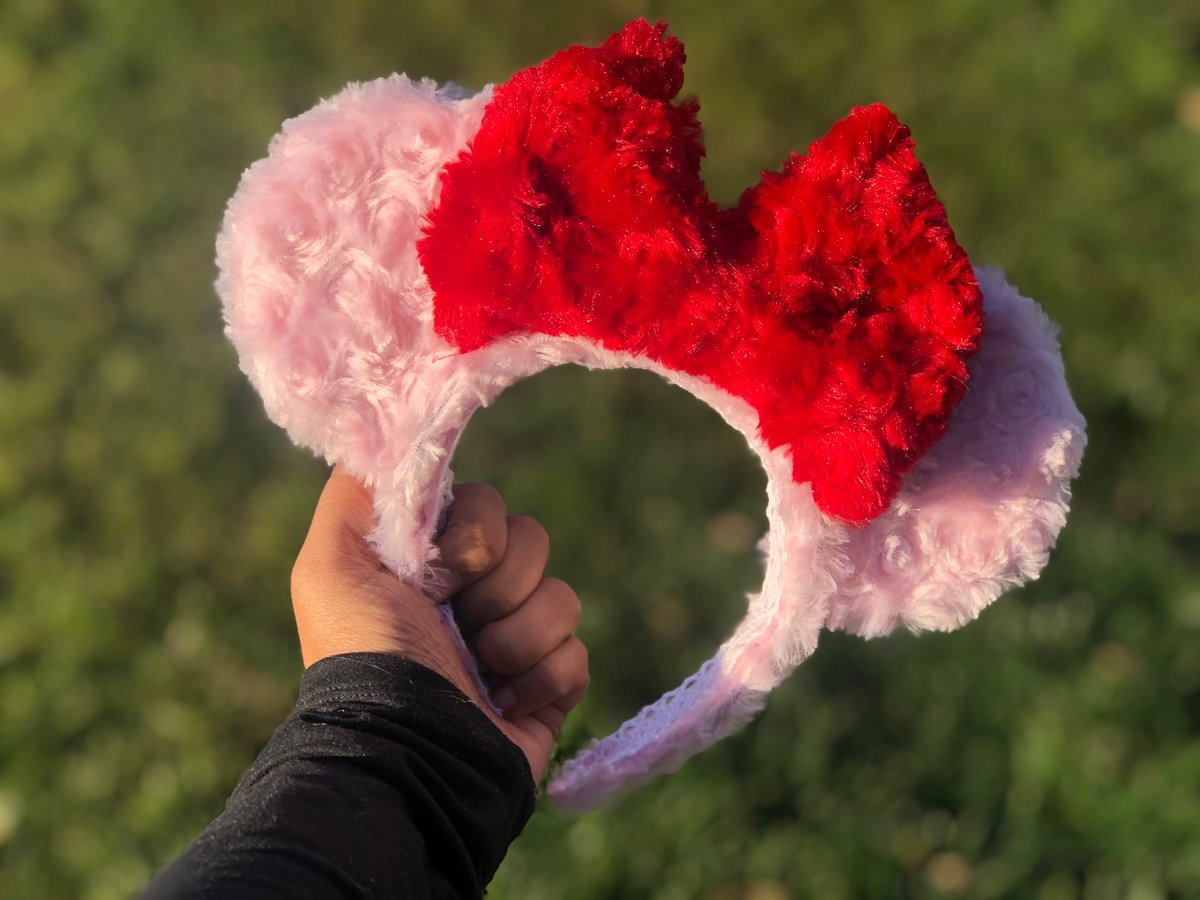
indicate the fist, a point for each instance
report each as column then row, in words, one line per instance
column 518, row 623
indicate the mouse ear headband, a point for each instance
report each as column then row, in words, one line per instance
column 406, row 253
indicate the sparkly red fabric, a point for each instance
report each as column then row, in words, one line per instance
column 833, row 298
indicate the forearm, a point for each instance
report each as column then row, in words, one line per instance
column 386, row 782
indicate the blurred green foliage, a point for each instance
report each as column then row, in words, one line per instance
column 149, row 514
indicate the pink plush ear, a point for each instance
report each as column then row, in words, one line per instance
column 977, row 516
column 982, row 510
column 328, row 306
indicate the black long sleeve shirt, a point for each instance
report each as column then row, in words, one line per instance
column 385, row 782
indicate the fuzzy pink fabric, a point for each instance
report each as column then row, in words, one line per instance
column 332, row 316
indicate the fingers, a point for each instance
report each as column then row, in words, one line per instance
column 555, row 684
column 520, row 627
column 519, row 624
column 515, row 643
column 501, row 591
column 476, row 535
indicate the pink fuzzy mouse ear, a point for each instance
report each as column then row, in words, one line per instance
column 404, row 254
column 978, row 515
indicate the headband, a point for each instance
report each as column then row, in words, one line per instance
column 405, row 253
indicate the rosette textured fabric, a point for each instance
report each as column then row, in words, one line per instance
column 405, row 253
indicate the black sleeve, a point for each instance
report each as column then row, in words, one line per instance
column 385, row 782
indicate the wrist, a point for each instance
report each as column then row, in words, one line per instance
column 400, row 623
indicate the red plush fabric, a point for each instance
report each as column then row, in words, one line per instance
column 833, row 299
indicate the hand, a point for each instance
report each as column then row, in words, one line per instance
column 517, row 623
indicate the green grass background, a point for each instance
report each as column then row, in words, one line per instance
column 149, row 513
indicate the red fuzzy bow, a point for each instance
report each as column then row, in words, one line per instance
column 833, row 299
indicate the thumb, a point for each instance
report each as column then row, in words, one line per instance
column 346, row 601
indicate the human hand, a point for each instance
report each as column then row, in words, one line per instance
column 517, row 623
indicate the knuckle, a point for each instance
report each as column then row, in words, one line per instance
column 580, row 668
column 468, row 549
column 567, row 670
column 473, row 543
column 486, row 556
column 564, row 598
column 561, row 682
column 483, row 494
column 530, row 532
